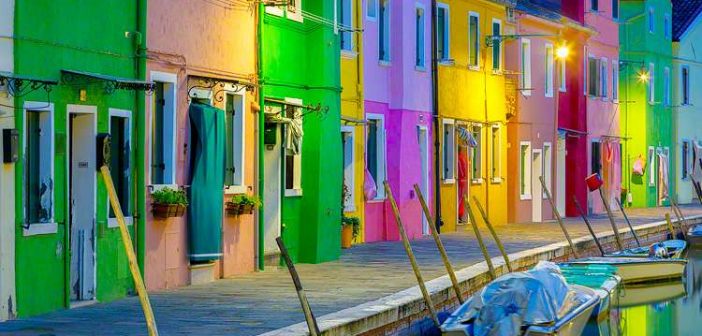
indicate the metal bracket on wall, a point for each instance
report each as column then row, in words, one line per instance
column 217, row 85
column 110, row 83
column 19, row 86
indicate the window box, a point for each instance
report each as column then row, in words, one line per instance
column 161, row 210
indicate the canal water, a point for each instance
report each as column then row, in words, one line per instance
column 666, row 308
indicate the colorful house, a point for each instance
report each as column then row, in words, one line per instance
column 686, row 114
column 398, row 105
column 301, row 145
column 214, row 66
column 7, row 169
column 68, row 249
column 350, row 19
column 571, row 146
column 532, row 131
column 645, row 60
column 476, row 95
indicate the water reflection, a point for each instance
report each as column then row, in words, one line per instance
column 671, row 308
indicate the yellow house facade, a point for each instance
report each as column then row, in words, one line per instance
column 473, row 103
column 350, row 18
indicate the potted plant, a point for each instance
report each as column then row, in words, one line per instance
column 243, row 204
column 350, row 227
column 169, row 202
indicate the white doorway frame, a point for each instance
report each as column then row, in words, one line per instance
column 537, row 169
column 81, row 109
column 423, row 142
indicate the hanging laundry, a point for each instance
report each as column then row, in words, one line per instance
column 639, row 166
column 662, row 177
column 466, row 137
column 293, row 136
column 370, row 188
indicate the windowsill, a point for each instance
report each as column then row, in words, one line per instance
column 348, row 54
column 496, row 180
column 497, row 72
column 476, row 181
column 524, row 197
column 293, row 192
column 40, row 229
column 295, row 17
column 448, row 181
column 446, row 62
column 526, row 93
column 548, row 95
column 233, row 190
column 474, row 67
column 376, row 200
column 112, row 222
column 384, row 63
column 562, row 90
column 350, row 209
column 420, row 68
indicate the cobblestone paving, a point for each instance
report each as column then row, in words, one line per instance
column 264, row 301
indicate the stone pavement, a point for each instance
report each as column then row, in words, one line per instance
column 264, row 301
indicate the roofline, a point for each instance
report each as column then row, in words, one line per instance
column 695, row 22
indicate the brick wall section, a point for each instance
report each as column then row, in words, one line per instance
column 404, row 313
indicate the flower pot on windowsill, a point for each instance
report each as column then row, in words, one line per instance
column 232, row 209
column 236, row 209
column 161, row 210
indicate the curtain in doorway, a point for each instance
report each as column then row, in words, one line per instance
column 662, row 178
column 207, row 134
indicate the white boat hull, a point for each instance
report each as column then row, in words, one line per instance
column 633, row 270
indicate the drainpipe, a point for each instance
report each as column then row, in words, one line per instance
column 140, row 61
column 261, row 128
column 435, row 108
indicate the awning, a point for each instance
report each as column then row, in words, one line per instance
column 18, row 85
column 350, row 120
column 217, row 85
column 572, row 131
column 111, row 83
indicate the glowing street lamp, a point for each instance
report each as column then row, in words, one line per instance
column 562, row 52
column 644, row 76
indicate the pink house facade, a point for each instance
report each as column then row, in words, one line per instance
column 397, row 76
column 603, row 106
column 203, row 65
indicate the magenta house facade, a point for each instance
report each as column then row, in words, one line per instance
column 398, row 129
column 602, row 91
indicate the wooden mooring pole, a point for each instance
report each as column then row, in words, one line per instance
column 479, row 237
column 439, row 244
column 129, row 249
column 410, row 255
column 306, row 309
column 558, row 216
column 611, row 220
column 682, row 223
column 631, row 228
column 589, row 227
column 497, row 239
column 670, row 225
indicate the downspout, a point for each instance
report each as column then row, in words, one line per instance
column 140, row 43
column 435, row 108
column 261, row 128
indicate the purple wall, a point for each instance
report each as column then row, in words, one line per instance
column 401, row 93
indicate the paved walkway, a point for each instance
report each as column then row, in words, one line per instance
column 264, row 301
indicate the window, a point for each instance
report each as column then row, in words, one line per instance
column 615, row 80
column 38, row 183
column 615, row 9
column 473, row 39
column 442, row 32
column 604, row 72
column 594, row 5
column 384, row 31
column 563, row 81
column 524, row 170
column 496, row 45
column 163, row 129
column 345, row 8
column 526, row 67
column 596, row 157
column 375, row 151
column 120, row 164
column 666, row 86
column 594, row 77
column 293, row 151
column 685, row 85
column 419, row 40
column 586, row 74
column 235, row 142
column 548, row 89
column 349, row 158
column 293, row 10
column 651, row 83
column 449, row 154
column 684, row 158
column 651, row 21
column 548, row 166
column 666, row 26
column 476, row 154
column 651, row 166
column 372, row 9
column 495, row 154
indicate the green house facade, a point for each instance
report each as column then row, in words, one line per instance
column 646, row 73
column 68, row 247
column 301, row 152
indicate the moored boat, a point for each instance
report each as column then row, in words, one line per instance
column 600, row 278
column 674, row 248
column 635, row 270
column 643, row 294
column 694, row 235
column 537, row 302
